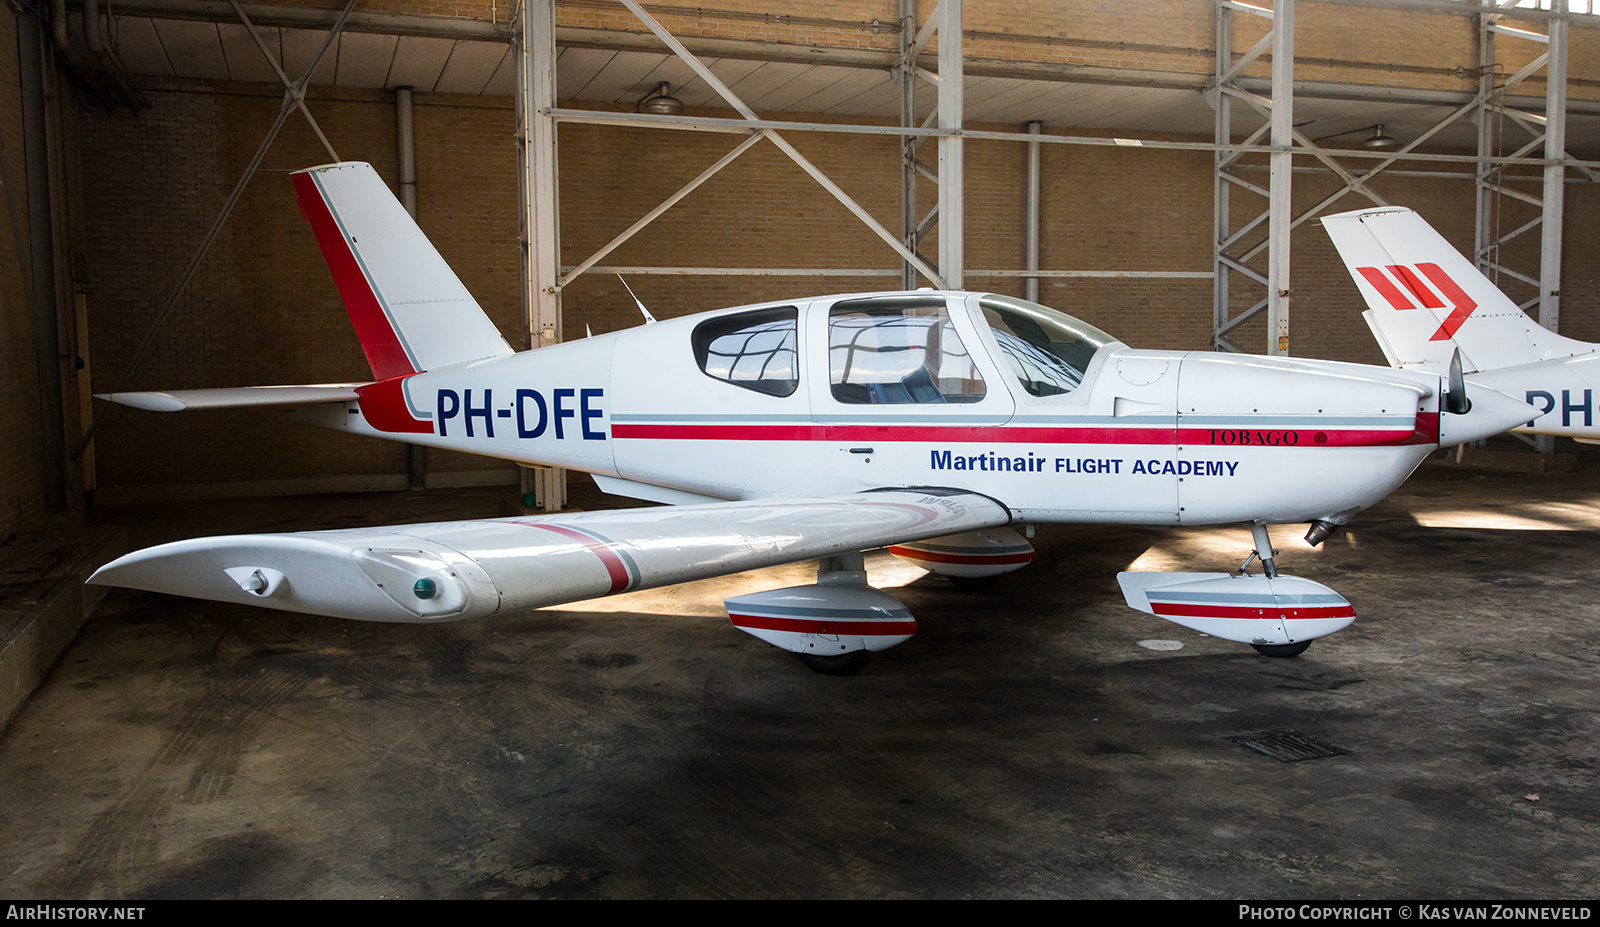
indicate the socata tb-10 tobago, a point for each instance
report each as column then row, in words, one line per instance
column 925, row 421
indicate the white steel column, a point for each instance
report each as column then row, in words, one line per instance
column 1282, row 177
column 753, row 121
column 1549, row 132
column 406, row 169
column 951, row 193
column 906, row 77
column 1487, row 171
column 536, row 135
column 1555, row 145
column 1031, row 284
column 1222, row 135
column 1276, row 221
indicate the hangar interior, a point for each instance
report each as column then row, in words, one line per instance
column 1155, row 169
column 1150, row 217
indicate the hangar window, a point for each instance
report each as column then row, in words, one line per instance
column 1047, row 350
column 755, row 350
column 898, row 350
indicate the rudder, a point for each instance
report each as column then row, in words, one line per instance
column 410, row 311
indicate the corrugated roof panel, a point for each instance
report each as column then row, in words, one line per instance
column 364, row 59
column 418, row 62
column 194, row 49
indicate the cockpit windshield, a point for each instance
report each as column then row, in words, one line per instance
column 1047, row 350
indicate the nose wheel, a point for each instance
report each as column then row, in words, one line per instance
column 1277, row 614
column 1267, row 555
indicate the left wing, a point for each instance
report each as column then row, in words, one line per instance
column 451, row 571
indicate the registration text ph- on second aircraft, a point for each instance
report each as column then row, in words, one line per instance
column 935, row 423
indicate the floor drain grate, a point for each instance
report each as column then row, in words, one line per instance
column 1288, row 746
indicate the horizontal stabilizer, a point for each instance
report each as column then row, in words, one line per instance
column 450, row 571
column 183, row 400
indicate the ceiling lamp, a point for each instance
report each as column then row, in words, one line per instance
column 662, row 103
column 1379, row 141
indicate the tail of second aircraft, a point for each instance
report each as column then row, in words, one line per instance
column 410, row 311
column 1426, row 300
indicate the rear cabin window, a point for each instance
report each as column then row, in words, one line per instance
column 754, row 350
column 898, row 350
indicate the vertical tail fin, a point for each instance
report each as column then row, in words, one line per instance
column 1426, row 300
column 410, row 311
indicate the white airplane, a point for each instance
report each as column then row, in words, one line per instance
column 1429, row 306
column 929, row 422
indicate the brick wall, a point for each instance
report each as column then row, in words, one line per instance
column 22, row 481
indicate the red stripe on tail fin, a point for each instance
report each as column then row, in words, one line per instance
column 1458, row 297
column 376, row 333
column 1385, row 287
column 1422, row 293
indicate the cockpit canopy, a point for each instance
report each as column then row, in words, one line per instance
column 901, row 349
column 1049, row 351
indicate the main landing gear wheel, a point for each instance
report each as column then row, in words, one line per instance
column 844, row 664
column 1281, row 650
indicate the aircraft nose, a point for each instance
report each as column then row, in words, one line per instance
column 1492, row 412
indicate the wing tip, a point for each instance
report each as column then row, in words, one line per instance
column 149, row 402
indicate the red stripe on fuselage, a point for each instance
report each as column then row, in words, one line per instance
column 948, row 433
column 1023, row 434
column 376, row 333
column 383, row 405
column 825, row 625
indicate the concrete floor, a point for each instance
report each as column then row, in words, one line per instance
column 1024, row 744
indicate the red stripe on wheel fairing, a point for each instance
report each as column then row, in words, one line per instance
column 1265, row 613
column 824, row 625
column 916, row 553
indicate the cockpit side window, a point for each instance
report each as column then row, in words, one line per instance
column 1049, row 351
column 898, row 350
column 754, row 350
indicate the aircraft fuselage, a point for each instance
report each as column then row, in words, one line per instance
column 1147, row 437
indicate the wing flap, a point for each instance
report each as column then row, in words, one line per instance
column 451, row 571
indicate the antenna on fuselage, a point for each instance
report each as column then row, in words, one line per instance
column 648, row 318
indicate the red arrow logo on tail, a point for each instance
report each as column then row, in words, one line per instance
column 1461, row 305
